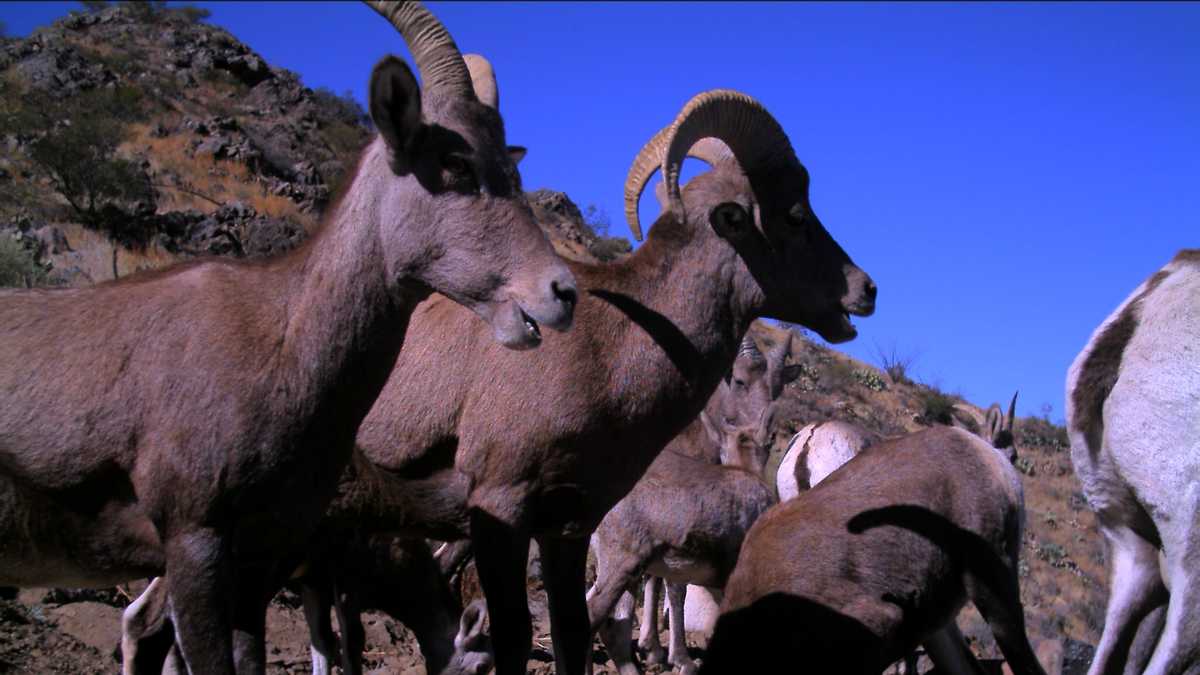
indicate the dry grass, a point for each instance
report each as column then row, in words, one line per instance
column 222, row 181
column 92, row 253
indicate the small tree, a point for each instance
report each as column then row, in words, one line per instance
column 75, row 146
column 17, row 266
column 344, row 107
column 192, row 13
column 146, row 10
column 597, row 219
column 94, row 5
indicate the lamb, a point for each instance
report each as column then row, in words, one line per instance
column 683, row 522
column 1133, row 418
column 397, row 575
column 880, row 556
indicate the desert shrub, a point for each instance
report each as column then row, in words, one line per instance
column 94, row 5
column 343, row 108
column 18, row 269
column 148, row 11
column 1038, row 431
column 597, row 220
column 191, row 13
column 870, row 379
column 75, row 146
column 897, row 365
column 1025, row 466
column 610, row 248
column 937, row 407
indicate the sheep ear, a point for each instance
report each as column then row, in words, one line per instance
column 517, row 153
column 470, row 625
column 710, row 428
column 790, row 373
column 993, row 423
column 395, row 103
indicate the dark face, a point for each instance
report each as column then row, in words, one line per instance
column 746, row 394
column 454, row 217
column 798, row 273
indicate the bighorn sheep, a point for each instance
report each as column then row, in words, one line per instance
column 353, row 572
column 195, row 420
column 819, row 449
column 397, row 575
column 816, row 451
column 1133, row 416
column 655, row 334
column 684, row 522
column 455, row 446
column 850, row 575
column 753, row 383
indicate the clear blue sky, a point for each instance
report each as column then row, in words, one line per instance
column 1007, row 172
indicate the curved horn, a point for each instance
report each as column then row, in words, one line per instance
column 750, row 350
column 1012, row 411
column 752, row 134
column 776, row 361
column 438, row 60
column 483, row 80
column 649, row 159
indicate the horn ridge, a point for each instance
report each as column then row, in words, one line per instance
column 438, row 59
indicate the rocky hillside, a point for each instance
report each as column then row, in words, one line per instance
column 133, row 137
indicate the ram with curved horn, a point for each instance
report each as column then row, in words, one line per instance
column 195, row 420
column 478, row 453
column 458, row 446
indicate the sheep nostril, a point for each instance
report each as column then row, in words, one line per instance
column 565, row 294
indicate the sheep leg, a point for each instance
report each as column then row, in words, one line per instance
column 1145, row 641
column 1000, row 604
column 354, row 638
column 318, row 603
column 948, row 651
column 616, row 571
column 648, row 632
column 565, row 572
column 253, row 591
column 501, row 554
column 146, row 631
column 615, row 632
column 677, row 654
column 1178, row 649
column 1136, row 587
column 200, row 589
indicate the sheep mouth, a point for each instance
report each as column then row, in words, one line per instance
column 533, row 332
column 834, row 326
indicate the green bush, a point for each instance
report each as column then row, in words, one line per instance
column 18, row 269
column 610, row 248
column 343, row 108
column 937, row 407
column 870, row 379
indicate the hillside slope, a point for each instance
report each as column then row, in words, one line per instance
column 230, row 156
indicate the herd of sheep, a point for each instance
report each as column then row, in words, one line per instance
column 228, row 427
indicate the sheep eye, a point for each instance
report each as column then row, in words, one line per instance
column 798, row 214
column 455, row 164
